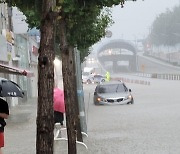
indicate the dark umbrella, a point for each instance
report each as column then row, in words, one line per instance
column 9, row 88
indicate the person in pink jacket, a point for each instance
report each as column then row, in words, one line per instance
column 59, row 107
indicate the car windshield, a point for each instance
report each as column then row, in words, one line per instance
column 97, row 77
column 112, row 88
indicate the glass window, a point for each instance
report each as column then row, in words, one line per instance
column 112, row 88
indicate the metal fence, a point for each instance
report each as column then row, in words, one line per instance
column 160, row 76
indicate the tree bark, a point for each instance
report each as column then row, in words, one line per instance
column 45, row 112
column 69, row 89
column 69, row 92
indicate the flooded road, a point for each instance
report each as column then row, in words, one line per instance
column 149, row 126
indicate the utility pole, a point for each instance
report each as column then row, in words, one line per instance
column 80, row 93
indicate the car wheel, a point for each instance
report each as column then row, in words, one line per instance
column 132, row 101
column 95, row 103
column 102, row 80
column 89, row 81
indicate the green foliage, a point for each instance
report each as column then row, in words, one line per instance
column 86, row 20
column 30, row 8
column 87, row 28
column 165, row 29
column 83, row 54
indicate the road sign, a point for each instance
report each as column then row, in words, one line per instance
column 108, row 34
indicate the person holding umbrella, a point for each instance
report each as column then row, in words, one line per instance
column 8, row 88
column 4, row 113
column 59, row 107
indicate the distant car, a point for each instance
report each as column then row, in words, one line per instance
column 98, row 78
column 113, row 92
column 92, row 78
column 86, row 77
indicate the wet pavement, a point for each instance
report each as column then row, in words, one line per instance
column 149, row 126
column 20, row 132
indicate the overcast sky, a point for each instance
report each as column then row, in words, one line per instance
column 134, row 20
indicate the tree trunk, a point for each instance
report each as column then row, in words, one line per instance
column 69, row 92
column 45, row 112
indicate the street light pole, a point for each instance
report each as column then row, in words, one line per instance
column 82, row 114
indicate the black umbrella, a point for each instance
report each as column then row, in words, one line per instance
column 9, row 88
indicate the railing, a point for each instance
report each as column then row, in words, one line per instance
column 140, row 78
column 61, row 141
column 160, row 76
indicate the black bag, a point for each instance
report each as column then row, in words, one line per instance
column 2, row 124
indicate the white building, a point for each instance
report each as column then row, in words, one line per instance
column 18, row 60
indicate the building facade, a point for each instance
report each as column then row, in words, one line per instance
column 17, row 47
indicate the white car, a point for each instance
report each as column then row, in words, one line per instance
column 86, row 77
column 112, row 93
column 97, row 78
column 92, row 78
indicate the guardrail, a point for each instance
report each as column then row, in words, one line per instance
column 160, row 76
column 139, row 78
column 128, row 80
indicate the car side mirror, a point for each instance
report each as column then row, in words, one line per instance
column 130, row 90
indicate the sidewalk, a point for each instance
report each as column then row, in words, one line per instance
column 20, row 132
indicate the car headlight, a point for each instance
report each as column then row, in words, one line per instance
column 128, row 97
column 99, row 99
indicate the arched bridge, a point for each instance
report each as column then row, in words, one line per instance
column 118, row 56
